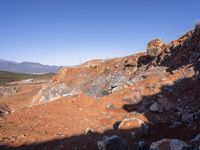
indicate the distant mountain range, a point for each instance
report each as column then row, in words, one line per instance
column 26, row 67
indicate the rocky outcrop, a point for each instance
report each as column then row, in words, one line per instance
column 94, row 78
column 182, row 51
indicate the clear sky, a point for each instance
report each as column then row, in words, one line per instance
column 68, row 32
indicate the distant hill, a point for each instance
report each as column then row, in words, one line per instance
column 26, row 67
column 7, row 77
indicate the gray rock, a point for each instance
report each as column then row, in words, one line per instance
column 168, row 144
column 106, row 84
column 154, row 107
column 96, row 90
column 136, row 79
column 190, row 118
column 176, row 124
column 97, row 87
column 112, row 143
column 196, row 138
column 118, row 80
column 194, row 57
column 142, row 146
column 54, row 92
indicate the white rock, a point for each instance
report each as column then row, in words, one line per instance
column 154, row 107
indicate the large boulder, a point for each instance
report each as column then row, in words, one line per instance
column 168, row 144
column 154, row 47
column 137, row 127
column 131, row 123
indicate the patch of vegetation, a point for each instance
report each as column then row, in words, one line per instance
column 7, row 77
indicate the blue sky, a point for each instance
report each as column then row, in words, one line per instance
column 68, row 32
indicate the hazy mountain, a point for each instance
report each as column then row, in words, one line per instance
column 26, row 67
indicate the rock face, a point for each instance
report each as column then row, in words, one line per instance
column 94, row 78
column 154, row 47
column 112, row 143
column 168, row 144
